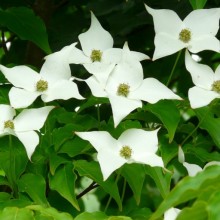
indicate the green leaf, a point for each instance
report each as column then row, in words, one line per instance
column 92, row 170
column 49, row 213
column 162, row 180
column 91, row 216
column 168, row 113
column 197, row 4
column 119, row 218
column 65, row 177
column 75, row 147
column 18, row 159
column 140, row 214
column 189, row 188
column 28, row 183
column 23, row 22
column 208, row 122
column 14, row 213
column 56, row 161
column 214, row 206
column 198, row 211
column 92, row 101
column 129, row 172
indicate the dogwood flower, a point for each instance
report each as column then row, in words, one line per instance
column 98, row 55
column 207, row 83
column 23, row 126
column 133, row 146
column 196, row 32
column 53, row 82
column 126, row 87
column 193, row 169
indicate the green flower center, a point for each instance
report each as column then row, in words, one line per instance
column 126, row 152
column 185, row 35
column 123, row 89
column 42, row 85
column 96, row 56
column 216, row 86
column 9, row 124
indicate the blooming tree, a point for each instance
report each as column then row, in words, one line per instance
column 101, row 118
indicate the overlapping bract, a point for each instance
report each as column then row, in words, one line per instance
column 133, row 146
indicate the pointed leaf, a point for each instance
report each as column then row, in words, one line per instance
column 23, row 22
column 197, row 4
column 91, row 216
column 209, row 123
column 129, row 171
column 92, row 170
column 168, row 113
column 162, row 180
column 15, row 213
column 65, row 177
column 189, row 188
column 28, row 183
column 50, row 213
column 198, row 211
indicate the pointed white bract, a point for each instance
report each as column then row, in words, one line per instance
column 126, row 88
column 24, row 125
column 171, row 214
column 53, row 82
column 98, row 55
column 196, row 32
column 207, row 83
column 193, row 169
column 133, row 146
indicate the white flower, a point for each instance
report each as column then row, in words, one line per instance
column 207, row 83
column 133, row 146
column 196, row 32
column 53, row 82
column 171, row 214
column 193, row 169
column 126, row 87
column 98, row 55
column 24, row 125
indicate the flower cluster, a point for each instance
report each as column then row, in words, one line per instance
column 117, row 74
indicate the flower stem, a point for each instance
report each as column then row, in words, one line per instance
column 174, row 67
column 110, row 197
column 191, row 133
column 123, row 190
column 98, row 116
column 11, row 173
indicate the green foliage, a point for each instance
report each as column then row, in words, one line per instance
column 51, row 185
column 197, row 4
column 24, row 23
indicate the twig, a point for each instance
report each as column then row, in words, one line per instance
column 92, row 186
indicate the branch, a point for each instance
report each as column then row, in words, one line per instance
column 92, row 186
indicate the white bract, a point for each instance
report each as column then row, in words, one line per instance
column 126, row 87
column 98, row 55
column 196, row 32
column 53, row 82
column 171, row 214
column 207, row 83
column 133, row 146
column 23, row 126
column 193, row 169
